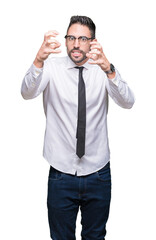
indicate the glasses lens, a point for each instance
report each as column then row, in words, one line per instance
column 83, row 40
column 71, row 38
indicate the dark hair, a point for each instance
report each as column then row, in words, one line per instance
column 83, row 20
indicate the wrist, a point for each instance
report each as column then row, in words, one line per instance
column 111, row 69
column 111, row 75
column 38, row 63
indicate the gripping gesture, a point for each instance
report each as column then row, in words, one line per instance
column 49, row 45
column 98, row 57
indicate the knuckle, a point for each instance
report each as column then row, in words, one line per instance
column 46, row 34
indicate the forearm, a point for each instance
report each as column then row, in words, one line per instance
column 31, row 83
column 38, row 63
column 120, row 91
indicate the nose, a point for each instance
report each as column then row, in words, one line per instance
column 76, row 43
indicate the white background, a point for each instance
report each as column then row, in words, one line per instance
column 126, row 30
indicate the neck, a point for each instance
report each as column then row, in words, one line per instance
column 81, row 63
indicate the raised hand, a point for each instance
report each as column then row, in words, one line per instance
column 98, row 56
column 49, row 45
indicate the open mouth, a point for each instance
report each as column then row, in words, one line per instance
column 76, row 53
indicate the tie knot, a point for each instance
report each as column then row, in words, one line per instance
column 80, row 68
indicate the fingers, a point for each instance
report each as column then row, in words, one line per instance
column 94, row 54
column 93, row 62
column 52, row 33
column 53, row 44
column 95, row 46
column 49, row 39
column 95, row 50
column 50, row 42
column 94, row 59
column 54, row 51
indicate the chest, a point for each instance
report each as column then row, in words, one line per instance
column 63, row 87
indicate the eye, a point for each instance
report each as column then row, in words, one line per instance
column 71, row 38
column 83, row 39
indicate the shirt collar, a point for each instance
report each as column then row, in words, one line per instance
column 71, row 64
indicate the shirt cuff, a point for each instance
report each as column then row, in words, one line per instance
column 115, row 80
column 35, row 71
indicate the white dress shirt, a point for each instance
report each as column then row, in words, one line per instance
column 58, row 80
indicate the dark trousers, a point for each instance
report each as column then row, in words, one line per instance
column 66, row 193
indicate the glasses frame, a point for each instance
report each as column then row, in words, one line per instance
column 79, row 38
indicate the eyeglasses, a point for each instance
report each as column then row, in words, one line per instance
column 82, row 39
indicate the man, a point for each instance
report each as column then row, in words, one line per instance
column 75, row 96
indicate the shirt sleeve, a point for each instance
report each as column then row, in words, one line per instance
column 34, row 82
column 120, row 92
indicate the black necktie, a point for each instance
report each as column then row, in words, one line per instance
column 81, row 122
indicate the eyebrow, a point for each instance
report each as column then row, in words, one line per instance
column 78, row 37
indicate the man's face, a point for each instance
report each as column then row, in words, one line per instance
column 76, row 49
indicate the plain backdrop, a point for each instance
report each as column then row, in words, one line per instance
column 126, row 30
